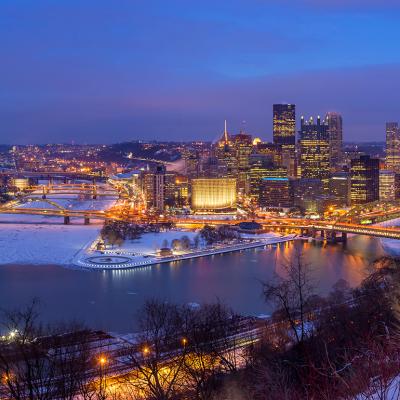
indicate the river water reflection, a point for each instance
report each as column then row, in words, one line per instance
column 110, row 299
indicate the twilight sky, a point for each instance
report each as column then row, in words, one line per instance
column 113, row 70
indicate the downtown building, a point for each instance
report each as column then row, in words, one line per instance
column 315, row 151
column 393, row 147
column 335, row 132
column 339, row 188
column 387, row 185
column 275, row 193
column 364, row 175
column 213, row 195
column 284, row 134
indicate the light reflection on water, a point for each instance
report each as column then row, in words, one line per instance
column 110, row 299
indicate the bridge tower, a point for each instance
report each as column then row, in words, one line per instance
column 94, row 192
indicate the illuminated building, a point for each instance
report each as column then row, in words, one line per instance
column 335, row 132
column 393, row 147
column 147, row 186
column 21, row 183
column 275, row 193
column 213, row 194
column 153, row 187
column 387, row 185
column 272, row 150
column 176, row 189
column 284, row 134
column 243, row 146
column 305, row 193
column 212, row 168
column 192, row 163
column 364, row 173
column 339, row 188
column 225, row 154
column 262, row 166
column 159, row 187
column 314, row 151
column 259, row 165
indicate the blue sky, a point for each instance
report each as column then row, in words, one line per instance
column 108, row 71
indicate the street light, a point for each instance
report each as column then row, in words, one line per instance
column 146, row 350
column 184, row 341
column 102, row 360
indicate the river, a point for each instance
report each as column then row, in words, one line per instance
column 111, row 300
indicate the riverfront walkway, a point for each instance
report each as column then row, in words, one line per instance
column 115, row 259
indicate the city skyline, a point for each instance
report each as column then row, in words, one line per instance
column 97, row 72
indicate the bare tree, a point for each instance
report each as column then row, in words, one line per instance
column 293, row 293
column 158, row 358
column 212, row 345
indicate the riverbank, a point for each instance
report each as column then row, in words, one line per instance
column 126, row 259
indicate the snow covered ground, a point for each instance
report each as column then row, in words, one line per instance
column 26, row 239
column 38, row 239
column 391, row 246
column 148, row 243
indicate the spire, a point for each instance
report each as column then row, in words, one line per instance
column 225, row 133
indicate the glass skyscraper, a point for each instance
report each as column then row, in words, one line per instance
column 284, row 134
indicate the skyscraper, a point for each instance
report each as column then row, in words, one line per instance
column 364, row 175
column 225, row 154
column 393, row 146
column 284, row 134
column 335, row 131
column 243, row 147
column 387, row 185
column 314, row 151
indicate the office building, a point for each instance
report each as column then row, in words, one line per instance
column 275, row 193
column 314, row 151
column 335, row 133
column 243, row 147
column 364, row 175
column 339, row 188
column 393, row 147
column 305, row 193
column 284, row 134
column 387, row 185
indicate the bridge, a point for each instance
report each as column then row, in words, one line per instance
column 305, row 226
column 326, row 229
column 53, row 175
column 81, row 189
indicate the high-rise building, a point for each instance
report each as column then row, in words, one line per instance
column 335, row 132
column 191, row 159
column 153, row 185
column 259, row 165
column 364, row 175
column 387, row 185
column 393, row 147
column 275, row 193
column 224, row 152
column 284, row 134
column 262, row 166
column 305, row 193
column 243, row 146
column 271, row 150
column 314, row 151
column 159, row 188
column 339, row 188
